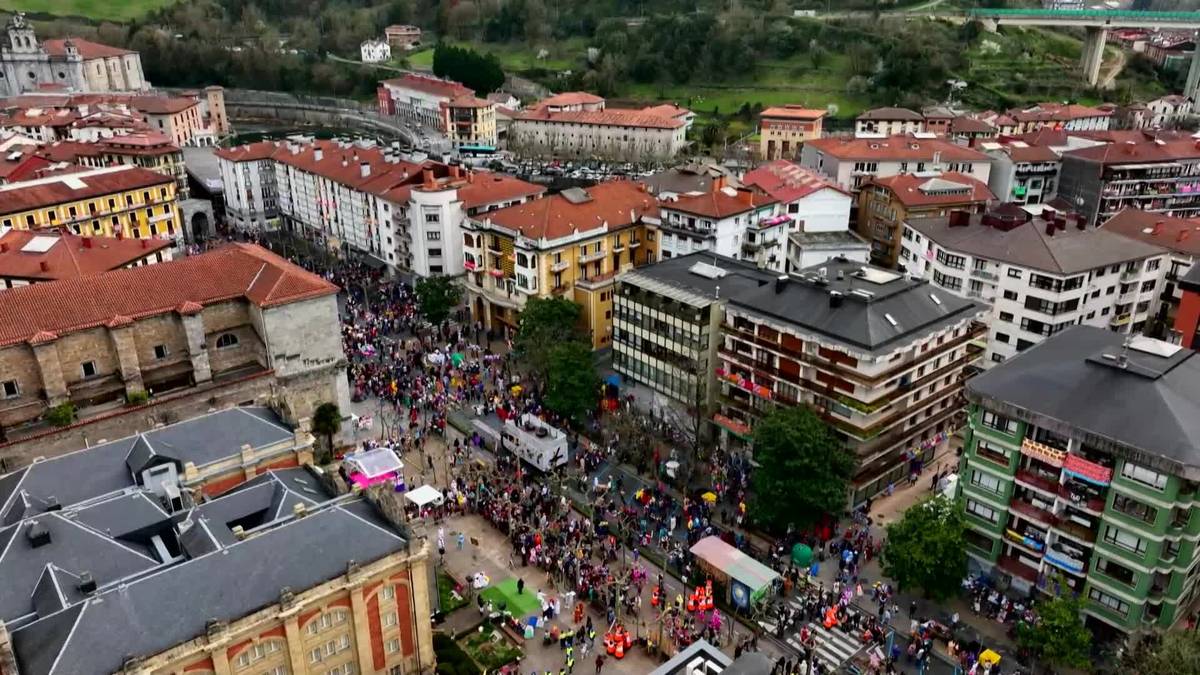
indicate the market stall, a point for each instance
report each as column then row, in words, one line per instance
column 746, row 580
column 373, row 466
column 424, row 496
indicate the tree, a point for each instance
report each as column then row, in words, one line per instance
column 1057, row 636
column 437, row 296
column 803, row 469
column 326, row 422
column 481, row 72
column 1172, row 653
column 572, row 386
column 927, row 548
column 544, row 323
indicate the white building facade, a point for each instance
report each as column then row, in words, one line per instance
column 375, row 51
column 849, row 162
column 736, row 222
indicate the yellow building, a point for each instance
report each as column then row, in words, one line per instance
column 120, row 201
column 571, row 245
column 470, row 121
column 148, row 150
column 783, row 129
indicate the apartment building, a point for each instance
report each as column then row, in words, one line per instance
column 850, row 162
column 1089, row 476
column 418, row 99
column 147, row 150
column 879, row 356
column 374, row 51
column 1152, row 175
column 1186, row 328
column 1180, row 237
column 237, row 318
column 885, row 204
column 402, row 36
column 820, row 213
column 274, row 574
column 1067, row 117
column 1023, row 173
column 889, row 122
column 783, row 129
column 1041, row 275
column 250, row 190
column 192, row 118
column 609, row 133
column 470, row 123
column 1168, row 110
column 572, row 244
column 734, row 222
column 123, row 201
column 28, row 257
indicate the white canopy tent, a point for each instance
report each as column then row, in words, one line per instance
column 424, row 495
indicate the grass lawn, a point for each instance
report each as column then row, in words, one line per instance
column 109, row 10
column 489, row 649
column 515, row 57
column 449, row 601
column 521, row 605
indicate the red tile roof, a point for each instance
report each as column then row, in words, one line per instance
column 892, row 114
column 913, row 190
column 720, row 202
column 608, row 117
column 970, row 125
column 162, row 105
column 895, row 148
column 87, row 49
column 1181, row 235
column 232, row 271
column 787, row 181
column 491, row 188
column 793, row 112
column 249, row 152
column 1131, row 153
column 23, row 164
column 1057, row 112
column 569, row 98
column 1031, row 153
column 666, row 110
column 71, row 256
column 610, row 206
column 28, row 195
column 429, row 85
column 468, row 101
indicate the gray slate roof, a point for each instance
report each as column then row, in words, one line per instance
column 225, row 585
column 1068, row 251
column 1153, row 405
column 859, row 323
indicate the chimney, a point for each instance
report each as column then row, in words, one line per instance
column 960, row 218
column 364, row 169
column 45, row 266
column 1183, row 235
column 746, row 196
column 86, row 584
column 145, row 243
column 87, row 242
column 835, row 298
column 299, row 510
column 318, row 154
column 1158, row 226
column 37, row 534
column 120, row 234
column 781, row 282
column 719, row 183
column 427, row 178
column 841, row 275
column 3, row 248
column 239, row 532
column 1080, row 222
column 1050, row 227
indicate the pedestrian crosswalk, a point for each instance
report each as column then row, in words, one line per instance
column 833, row 647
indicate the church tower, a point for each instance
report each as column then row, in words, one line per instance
column 20, row 36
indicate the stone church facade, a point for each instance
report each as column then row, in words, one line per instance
column 30, row 65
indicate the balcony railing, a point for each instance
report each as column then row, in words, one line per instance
column 1031, row 479
column 985, row 275
column 1076, row 531
column 1121, row 319
column 589, row 257
column 1038, row 515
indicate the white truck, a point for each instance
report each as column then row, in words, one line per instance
column 535, row 442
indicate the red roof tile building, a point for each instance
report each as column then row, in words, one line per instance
column 580, row 125
column 50, row 255
column 885, row 204
column 570, row 245
column 417, row 99
column 235, row 324
column 81, row 65
column 744, row 223
column 783, row 129
column 851, row 161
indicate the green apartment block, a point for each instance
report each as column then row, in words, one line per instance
column 1081, row 463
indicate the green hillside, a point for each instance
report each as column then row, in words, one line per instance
column 96, row 10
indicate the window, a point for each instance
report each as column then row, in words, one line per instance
column 392, row 646
column 1010, row 295
column 315, row 655
column 1002, row 337
column 334, row 618
column 257, row 652
column 88, row 368
column 227, row 340
column 344, row 669
column 388, row 592
column 1116, row 571
column 160, row 351
column 986, row 481
column 11, row 390
column 433, row 236
column 992, row 453
column 1006, row 316
column 1014, row 273
column 1141, row 474
column 1122, row 539
column 998, row 422
column 982, row 511
column 389, row 619
column 1110, row 601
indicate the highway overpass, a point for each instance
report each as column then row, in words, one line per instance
column 1098, row 23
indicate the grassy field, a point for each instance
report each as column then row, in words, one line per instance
column 98, row 10
column 515, row 58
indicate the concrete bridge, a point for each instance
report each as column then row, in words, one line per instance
column 1097, row 23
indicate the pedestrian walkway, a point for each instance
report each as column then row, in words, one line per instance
column 833, row 646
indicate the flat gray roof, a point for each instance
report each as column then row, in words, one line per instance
column 1151, row 406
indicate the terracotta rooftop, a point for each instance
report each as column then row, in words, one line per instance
column 793, row 112
column 1133, row 153
column 970, row 125
column 787, row 181
column 429, row 85
column 605, row 206
column 895, row 148
column 1057, row 112
column 720, row 201
column 86, row 48
column 666, row 110
column 947, row 188
column 1023, row 152
column 162, row 105
column 609, row 117
column 468, row 101
column 892, row 114
column 70, row 255
column 26, row 195
column 569, row 98
column 1181, row 235
column 232, row 271
column 248, row 152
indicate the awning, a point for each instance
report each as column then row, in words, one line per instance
column 732, row 562
column 739, row 429
column 426, row 494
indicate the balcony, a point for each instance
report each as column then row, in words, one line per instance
column 635, row 243
column 985, row 275
column 1121, row 319
column 559, row 266
column 1075, row 531
column 618, row 247
column 1017, row 568
column 1032, row 512
column 1032, row 480
column 751, row 247
column 589, row 257
column 1043, row 452
column 1130, row 275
